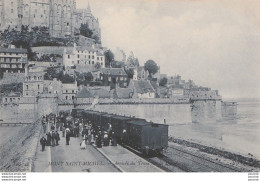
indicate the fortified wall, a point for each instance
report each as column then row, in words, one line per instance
column 47, row 103
column 229, row 110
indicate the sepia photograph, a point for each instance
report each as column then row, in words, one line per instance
column 129, row 86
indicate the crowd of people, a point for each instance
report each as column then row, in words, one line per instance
column 71, row 127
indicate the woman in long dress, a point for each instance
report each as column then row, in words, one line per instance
column 83, row 143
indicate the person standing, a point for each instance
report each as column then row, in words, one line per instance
column 53, row 135
column 48, row 139
column 114, row 142
column 43, row 142
column 57, row 138
column 67, row 136
column 44, row 126
column 106, row 139
column 89, row 137
column 85, row 131
column 99, row 140
column 63, row 131
column 83, row 143
column 124, row 138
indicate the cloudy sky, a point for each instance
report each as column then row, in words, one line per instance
column 216, row 43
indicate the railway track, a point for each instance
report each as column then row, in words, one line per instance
column 158, row 161
column 195, row 163
column 183, row 161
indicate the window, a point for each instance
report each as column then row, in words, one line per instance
column 93, row 57
column 97, row 58
column 66, row 91
column 68, row 56
column 78, row 56
column 93, row 62
column 78, row 61
column 68, row 24
column 89, row 57
column 72, row 97
column 38, row 86
column 27, row 87
column 72, row 91
column 12, row 11
column 66, row 97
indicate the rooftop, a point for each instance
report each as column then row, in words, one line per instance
column 143, row 86
column 49, row 49
column 122, row 93
column 13, row 50
column 100, row 92
column 113, row 71
column 84, row 93
column 14, row 94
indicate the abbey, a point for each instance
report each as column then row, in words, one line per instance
column 60, row 16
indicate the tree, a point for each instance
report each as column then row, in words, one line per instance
column 163, row 81
column 88, row 76
column 151, row 67
column 117, row 64
column 132, row 61
column 96, row 38
column 97, row 66
column 109, row 58
column 130, row 73
column 67, row 79
column 52, row 73
column 85, row 31
column 124, row 55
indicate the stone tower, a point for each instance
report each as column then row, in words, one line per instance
column 61, row 18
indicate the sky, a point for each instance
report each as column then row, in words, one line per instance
column 216, row 43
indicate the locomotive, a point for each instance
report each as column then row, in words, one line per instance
column 138, row 134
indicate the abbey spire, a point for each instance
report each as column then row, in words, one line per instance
column 89, row 9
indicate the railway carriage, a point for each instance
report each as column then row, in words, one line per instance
column 146, row 137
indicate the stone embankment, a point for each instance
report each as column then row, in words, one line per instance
column 249, row 161
column 141, row 101
column 17, row 153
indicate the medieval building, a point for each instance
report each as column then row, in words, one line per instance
column 60, row 16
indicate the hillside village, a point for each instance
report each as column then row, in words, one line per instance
column 78, row 69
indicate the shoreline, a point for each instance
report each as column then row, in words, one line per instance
column 221, row 152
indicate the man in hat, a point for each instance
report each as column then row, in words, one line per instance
column 43, row 142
